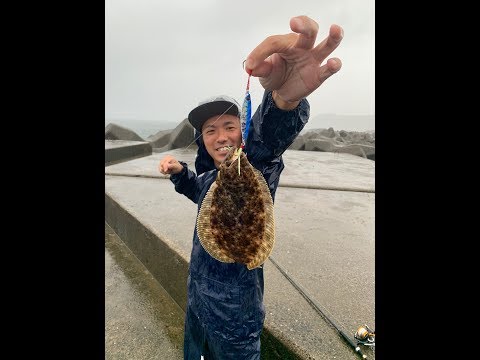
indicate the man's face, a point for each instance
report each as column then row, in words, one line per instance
column 218, row 133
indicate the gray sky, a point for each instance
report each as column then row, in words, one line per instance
column 163, row 57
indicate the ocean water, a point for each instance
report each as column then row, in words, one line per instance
column 360, row 123
column 145, row 128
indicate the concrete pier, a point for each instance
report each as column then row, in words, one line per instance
column 121, row 150
column 323, row 254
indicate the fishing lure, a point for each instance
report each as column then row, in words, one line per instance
column 235, row 223
column 246, row 114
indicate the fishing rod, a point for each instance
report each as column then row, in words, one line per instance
column 365, row 336
column 317, row 308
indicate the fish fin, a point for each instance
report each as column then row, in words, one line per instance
column 204, row 230
column 269, row 234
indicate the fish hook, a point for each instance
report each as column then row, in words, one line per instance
column 249, row 72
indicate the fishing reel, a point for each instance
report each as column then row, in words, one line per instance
column 365, row 336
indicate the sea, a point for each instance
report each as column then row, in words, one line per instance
column 359, row 123
column 144, row 128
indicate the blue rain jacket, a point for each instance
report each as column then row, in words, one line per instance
column 225, row 311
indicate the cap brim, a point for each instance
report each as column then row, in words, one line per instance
column 202, row 113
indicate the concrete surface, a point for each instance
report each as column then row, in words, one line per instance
column 317, row 170
column 141, row 320
column 122, row 150
column 324, row 212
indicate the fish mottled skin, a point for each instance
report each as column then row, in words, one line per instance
column 236, row 221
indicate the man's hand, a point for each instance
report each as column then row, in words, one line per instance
column 169, row 165
column 291, row 65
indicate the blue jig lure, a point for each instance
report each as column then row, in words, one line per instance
column 246, row 114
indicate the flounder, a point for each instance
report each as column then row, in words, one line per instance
column 236, row 221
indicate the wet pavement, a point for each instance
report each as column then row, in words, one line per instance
column 142, row 322
column 325, row 242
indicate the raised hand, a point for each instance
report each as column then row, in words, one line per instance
column 169, row 165
column 290, row 64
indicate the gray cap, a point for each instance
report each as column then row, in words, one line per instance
column 217, row 105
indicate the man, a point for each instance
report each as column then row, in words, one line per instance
column 225, row 311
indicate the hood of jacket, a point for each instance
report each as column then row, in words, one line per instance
column 203, row 160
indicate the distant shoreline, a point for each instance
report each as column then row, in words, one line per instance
column 359, row 123
column 356, row 123
column 144, row 128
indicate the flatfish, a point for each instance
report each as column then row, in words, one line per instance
column 236, row 220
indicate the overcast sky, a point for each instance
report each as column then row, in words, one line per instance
column 163, row 57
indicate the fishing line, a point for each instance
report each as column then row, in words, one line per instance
column 318, row 309
column 195, row 139
column 245, row 115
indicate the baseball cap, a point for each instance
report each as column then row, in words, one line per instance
column 216, row 105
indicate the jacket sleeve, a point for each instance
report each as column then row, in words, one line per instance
column 186, row 182
column 273, row 130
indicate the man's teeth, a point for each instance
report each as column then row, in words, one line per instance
column 224, row 148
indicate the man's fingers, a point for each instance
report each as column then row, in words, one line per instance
column 307, row 28
column 165, row 164
column 330, row 43
column 325, row 71
column 162, row 168
column 271, row 45
column 263, row 69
